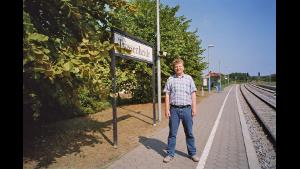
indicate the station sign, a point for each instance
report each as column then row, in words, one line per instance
column 205, row 82
column 140, row 50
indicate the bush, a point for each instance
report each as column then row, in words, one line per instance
column 90, row 102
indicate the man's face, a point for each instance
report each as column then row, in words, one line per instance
column 179, row 69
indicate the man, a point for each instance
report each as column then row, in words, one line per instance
column 180, row 102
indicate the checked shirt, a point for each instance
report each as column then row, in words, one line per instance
column 180, row 89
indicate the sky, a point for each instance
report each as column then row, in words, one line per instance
column 243, row 33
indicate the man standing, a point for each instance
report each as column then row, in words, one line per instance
column 180, row 102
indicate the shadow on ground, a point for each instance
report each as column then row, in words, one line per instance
column 158, row 146
column 136, row 112
column 52, row 142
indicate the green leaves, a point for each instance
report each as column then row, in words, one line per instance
column 68, row 66
column 75, row 70
column 175, row 39
column 94, row 53
column 64, row 51
column 68, row 46
column 38, row 37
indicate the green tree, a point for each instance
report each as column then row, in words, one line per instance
column 239, row 77
column 66, row 63
column 176, row 40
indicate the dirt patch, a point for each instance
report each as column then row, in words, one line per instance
column 87, row 142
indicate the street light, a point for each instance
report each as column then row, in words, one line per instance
column 158, row 61
column 228, row 76
column 220, row 77
column 208, row 68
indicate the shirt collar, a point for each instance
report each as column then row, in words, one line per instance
column 182, row 76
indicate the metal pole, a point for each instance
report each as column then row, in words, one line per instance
column 208, row 73
column 153, row 92
column 209, row 69
column 158, row 61
column 114, row 103
column 228, row 79
column 220, row 76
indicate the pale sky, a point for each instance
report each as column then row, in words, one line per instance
column 243, row 32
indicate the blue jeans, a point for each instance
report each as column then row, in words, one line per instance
column 185, row 115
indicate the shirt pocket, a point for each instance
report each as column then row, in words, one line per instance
column 173, row 88
column 187, row 88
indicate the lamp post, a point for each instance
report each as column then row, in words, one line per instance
column 208, row 68
column 228, row 75
column 228, row 78
column 158, row 61
column 220, row 76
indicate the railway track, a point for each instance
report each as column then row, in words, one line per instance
column 263, row 108
column 268, row 87
column 264, row 95
column 271, row 90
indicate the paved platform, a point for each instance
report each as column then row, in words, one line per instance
column 226, row 145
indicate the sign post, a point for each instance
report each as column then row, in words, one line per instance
column 114, row 102
column 204, row 84
column 141, row 51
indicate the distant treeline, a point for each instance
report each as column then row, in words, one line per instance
column 245, row 76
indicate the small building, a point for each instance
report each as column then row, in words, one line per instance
column 214, row 78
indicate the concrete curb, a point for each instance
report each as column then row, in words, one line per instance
column 251, row 154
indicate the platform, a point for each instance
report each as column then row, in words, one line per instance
column 224, row 146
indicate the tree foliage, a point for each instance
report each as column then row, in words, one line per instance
column 238, row 76
column 176, row 40
column 66, row 62
column 65, row 52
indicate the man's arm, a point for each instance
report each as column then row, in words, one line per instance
column 167, row 103
column 194, row 111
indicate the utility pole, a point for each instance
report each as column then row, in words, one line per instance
column 208, row 68
column 158, row 61
column 228, row 78
column 220, row 76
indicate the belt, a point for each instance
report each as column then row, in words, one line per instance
column 181, row 106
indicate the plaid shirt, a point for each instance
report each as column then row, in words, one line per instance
column 180, row 89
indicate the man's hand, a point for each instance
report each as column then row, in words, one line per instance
column 167, row 114
column 194, row 109
column 194, row 113
column 167, row 103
